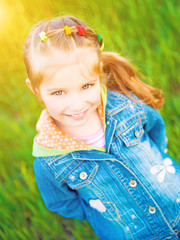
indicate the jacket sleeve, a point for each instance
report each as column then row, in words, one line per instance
column 155, row 127
column 57, row 196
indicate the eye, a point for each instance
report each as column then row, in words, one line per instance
column 58, row 93
column 87, row 86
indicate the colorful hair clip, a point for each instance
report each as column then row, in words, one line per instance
column 81, row 30
column 100, row 41
column 99, row 37
column 43, row 36
column 67, row 29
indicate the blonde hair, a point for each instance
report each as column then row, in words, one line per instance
column 118, row 72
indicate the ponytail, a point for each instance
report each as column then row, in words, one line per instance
column 121, row 76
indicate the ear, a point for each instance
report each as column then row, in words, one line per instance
column 28, row 83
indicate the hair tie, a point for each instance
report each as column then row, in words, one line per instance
column 81, row 30
column 67, row 29
column 99, row 37
column 43, row 36
column 100, row 41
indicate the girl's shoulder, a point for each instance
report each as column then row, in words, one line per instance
column 120, row 102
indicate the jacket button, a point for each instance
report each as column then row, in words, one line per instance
column 137, row 134
column 107, row 123
column 83, row 175
column 133, row 183
column 176, row 231
column 152, row 210
column 178, row 200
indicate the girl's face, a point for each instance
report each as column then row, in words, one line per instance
column 70, row 97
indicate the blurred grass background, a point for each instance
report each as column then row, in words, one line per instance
column 146, row 32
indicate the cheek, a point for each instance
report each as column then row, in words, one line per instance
column 96, row 99
column 93, row 99
column 54, row 106
column 96, row 96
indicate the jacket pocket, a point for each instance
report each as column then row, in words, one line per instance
column 77, row 173
column 130, row 133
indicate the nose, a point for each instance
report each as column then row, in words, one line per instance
column 77, row 103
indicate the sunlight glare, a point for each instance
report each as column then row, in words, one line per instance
column 4, row 16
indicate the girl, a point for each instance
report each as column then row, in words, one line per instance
column 100, row 152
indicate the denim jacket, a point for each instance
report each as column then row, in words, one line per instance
column 131, row 191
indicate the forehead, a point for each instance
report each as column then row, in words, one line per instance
column 76, row 56
column 87, row 59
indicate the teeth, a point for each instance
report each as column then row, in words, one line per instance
column 78, row 115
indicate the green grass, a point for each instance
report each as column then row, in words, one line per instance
column 146, row 32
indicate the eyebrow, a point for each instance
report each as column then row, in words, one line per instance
column 55, row 89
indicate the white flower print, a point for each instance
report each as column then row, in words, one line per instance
column 97, row 204
column 72, row 178
column 161, row 170
column 132, row 107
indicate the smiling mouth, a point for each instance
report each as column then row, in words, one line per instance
column 77, row 116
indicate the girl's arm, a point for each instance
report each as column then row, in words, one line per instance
column 57, row 196
column 155, row 127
